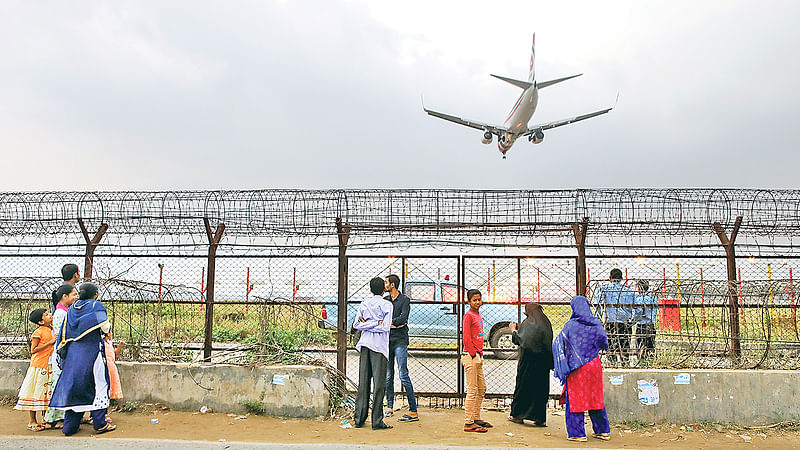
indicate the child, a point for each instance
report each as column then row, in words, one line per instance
column 34, row 392
column 63, row 298
column 115, row 388
column 472, row 359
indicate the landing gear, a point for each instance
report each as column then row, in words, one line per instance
column 504, row 156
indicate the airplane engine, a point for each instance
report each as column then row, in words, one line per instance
column 537, row 137
column 487, row 138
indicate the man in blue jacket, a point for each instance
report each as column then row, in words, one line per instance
column 617, row 300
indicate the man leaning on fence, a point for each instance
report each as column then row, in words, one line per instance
column 617, row 300
column 373, row 319
column 398, row 350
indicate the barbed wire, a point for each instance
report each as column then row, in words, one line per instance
column 307, row 218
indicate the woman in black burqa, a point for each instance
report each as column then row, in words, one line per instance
column 535, row 341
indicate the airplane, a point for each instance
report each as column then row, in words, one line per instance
column 516, row 125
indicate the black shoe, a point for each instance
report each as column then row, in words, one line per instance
column 382, row 426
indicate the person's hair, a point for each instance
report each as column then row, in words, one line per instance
column 471, row 293
column 395, row 280
column 87, row 291
column 69, row 271
column 377, row 285
column 616, row 274
column 59, row 293
column 36, row 315
column 644, row 286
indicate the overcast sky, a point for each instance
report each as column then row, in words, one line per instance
column 301, row 94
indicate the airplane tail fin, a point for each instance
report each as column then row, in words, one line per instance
column 532, row 73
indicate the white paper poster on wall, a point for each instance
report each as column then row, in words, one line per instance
column 648, row 392
column 683, row 378
column 615, row 380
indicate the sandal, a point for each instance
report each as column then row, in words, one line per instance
column 540, row 424
column 407, row 418
column 474, row 427
column 484, row 423
column 515, row 420
column 35, row 427
column 577, row 439
column 106, row 429
column 388, row 413
column 602, row 436
column 383, row 426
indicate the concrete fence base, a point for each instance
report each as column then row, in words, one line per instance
column 751, row 397
column 677, row 396
column 284, row 391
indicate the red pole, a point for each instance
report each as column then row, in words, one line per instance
column 588, row 283
column 247, row 294
column 160, row 279
column 702, row 298
column 202, row 288
column 741, row 310
column 294, row 288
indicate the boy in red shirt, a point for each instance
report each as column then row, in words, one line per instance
column 472, row 359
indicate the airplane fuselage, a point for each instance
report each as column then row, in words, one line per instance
column 518, row 118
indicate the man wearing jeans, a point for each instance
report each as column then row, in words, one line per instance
column 398, row 349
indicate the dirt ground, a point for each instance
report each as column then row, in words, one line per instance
column 437, row 427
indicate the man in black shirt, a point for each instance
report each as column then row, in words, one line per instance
column 398, row 349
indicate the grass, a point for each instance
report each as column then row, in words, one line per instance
column 254, row 407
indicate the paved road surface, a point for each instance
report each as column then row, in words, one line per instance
column 37, row 443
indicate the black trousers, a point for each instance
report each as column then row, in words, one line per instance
column 72, row 420
column 371, row 367
column 646, row 339
column 619, row 338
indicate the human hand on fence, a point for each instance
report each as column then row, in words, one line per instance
column 513, row 326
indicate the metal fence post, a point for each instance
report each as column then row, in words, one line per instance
column 733, row 294
column 579, row 230
column 91, row 245
column 343, row 232
column 213, row 242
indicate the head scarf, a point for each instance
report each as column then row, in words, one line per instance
column 580, row 341
column 535, row 332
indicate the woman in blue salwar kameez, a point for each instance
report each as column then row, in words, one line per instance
column 83, row 384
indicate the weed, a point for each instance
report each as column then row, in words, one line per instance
column 254, row 407
column 129, row 407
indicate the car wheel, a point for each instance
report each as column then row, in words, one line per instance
column 501, row 342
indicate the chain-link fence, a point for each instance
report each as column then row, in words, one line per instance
column 285, row 309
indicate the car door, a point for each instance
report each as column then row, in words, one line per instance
column 425, row 319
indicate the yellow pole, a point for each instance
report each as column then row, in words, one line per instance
column 678, row 275
column 494, row 285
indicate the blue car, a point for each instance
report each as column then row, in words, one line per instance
column 434, row 315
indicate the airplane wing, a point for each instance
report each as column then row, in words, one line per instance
column 558, row 123
column 494, row 129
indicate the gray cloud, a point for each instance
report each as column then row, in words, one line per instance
column 163, row 95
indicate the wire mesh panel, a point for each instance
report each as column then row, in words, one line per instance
column 431, row 283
